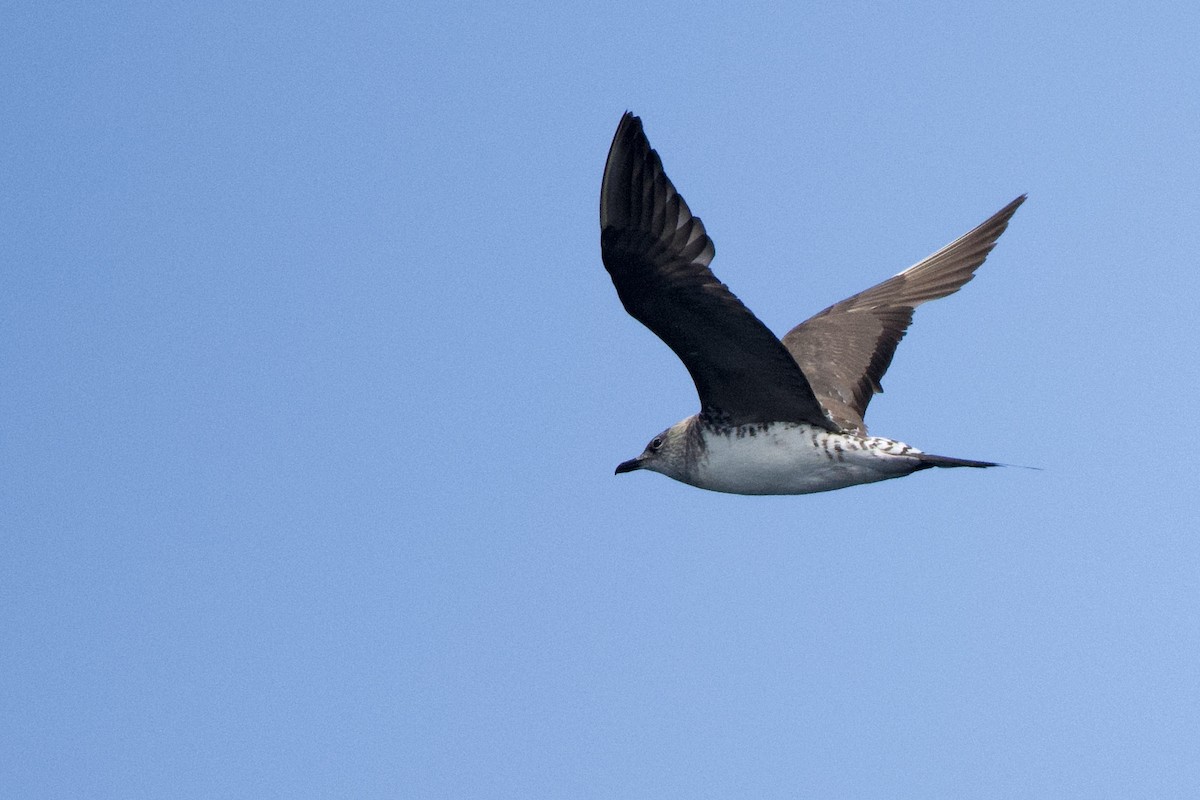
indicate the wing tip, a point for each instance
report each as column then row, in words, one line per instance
column 618, row 166
column 1010, row 209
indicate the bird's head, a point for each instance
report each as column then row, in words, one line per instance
column 666, row 453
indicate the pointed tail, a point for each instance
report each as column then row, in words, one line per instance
column 928, row 460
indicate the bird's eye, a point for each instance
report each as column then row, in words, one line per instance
column 656, row 443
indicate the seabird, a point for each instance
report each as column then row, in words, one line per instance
column 777, row 416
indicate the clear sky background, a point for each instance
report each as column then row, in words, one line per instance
column 312, row 384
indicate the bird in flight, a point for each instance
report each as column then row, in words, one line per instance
column 777, row 416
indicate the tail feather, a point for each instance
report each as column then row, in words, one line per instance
column 929, row 460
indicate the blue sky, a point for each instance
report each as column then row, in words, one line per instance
column 313, row 386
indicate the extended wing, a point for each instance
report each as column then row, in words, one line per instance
column 845, row 349
column 658, row 255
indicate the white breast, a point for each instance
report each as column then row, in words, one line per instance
column 794, row 458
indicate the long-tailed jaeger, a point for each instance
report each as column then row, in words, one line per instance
column 777, row 416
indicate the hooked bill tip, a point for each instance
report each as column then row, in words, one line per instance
column 628, row 466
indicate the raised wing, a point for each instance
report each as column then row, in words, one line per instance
column 845, row 349
column 658, row 255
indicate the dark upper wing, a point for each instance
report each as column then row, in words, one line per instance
column 845, row 349
column 658, row 256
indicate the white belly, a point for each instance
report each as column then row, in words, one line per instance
column 794, row 458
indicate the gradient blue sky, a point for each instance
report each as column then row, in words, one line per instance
column 312, row 384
